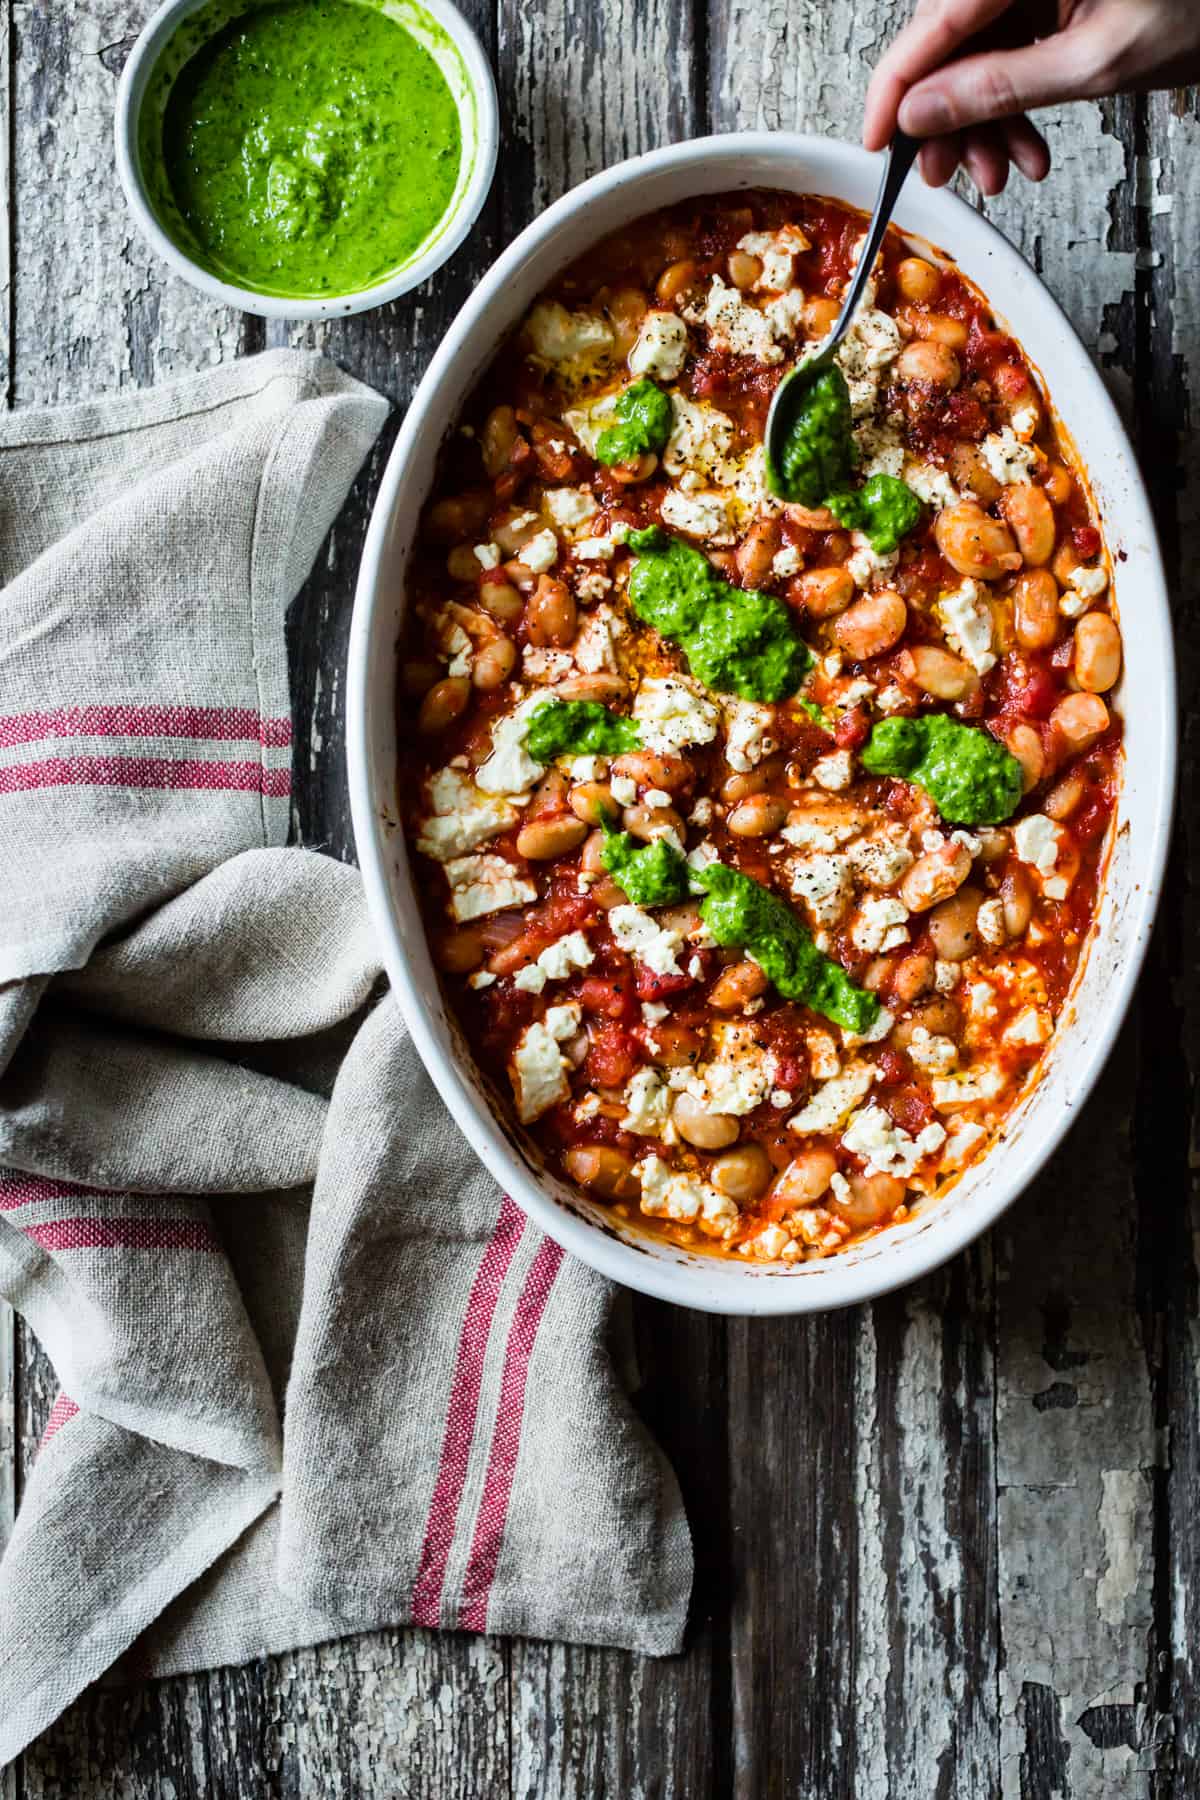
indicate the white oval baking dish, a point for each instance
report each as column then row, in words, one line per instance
column 1147, row 700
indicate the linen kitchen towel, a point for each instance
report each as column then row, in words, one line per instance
column 317, row 1373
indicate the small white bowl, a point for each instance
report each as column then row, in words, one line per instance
column 458, row 54
column 1146, row 698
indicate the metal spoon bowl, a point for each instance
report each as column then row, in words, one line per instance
column 901, row 154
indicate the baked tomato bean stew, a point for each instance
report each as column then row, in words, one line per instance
column 759, row 813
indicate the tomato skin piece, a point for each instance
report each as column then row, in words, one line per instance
column 1085, row 540
column 909, row 1109
column 609, row 996
column 651, row 986
column 613, row 1055
column 852, row 729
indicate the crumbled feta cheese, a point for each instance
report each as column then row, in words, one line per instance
column 704, row 515
column 654, row 1011
column 834, row 1100
column 595, row 649
column 592, row 584
column 656, row 797
column 747, row 738
column 968, row 1088
column 487, row 555
column 702, row 813
column 864, row 562
column 570, row 507
column 595, row 549
column 700, row 442
column 872, row 342
column 672, row 712
column 881, row 857
column 823, row 1057
column 966, row 619
column 482, row 978
column 483, row 883
column 776, row 251
column 509, row 769
column 786, row 562
column 462, row 817
column 648, row 1104
column 767, row 1245
column 880, row 448
column 565, row 955
column 591, row 417
column 540, row 553
column 965, row 1137
column 1036, row 839
column 886, row 1148
column 1010, row 461
column 880, row 925
column 661, row 347
column 835, row 771
column 704, row 853
column 822, row 828
column 641, row 937
column 539, row 664
column 786, row 314
column 734, row 325
column 624, row 789
column 1031, row 1026
column 936, row 1055
column 585, row 768
column 823, row 883
column 931, row 484
column 734, row 1084
column 990, row 922
column 1089, row 579
column 981, row 1001
column 946, row 976
column 684, row 1199
column 1025, row 420
column 562, row 338
column 539, row 1069
column 874, row 1034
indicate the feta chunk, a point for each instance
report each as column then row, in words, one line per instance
column 965, row 1137
column 647, row 1103
column 488, row 556
column 1031, row 1026
column 482, row 883
column 786, row 562
column 881, row 925
column 864, row 562
column 931, row 484
column 872, row 342
column 540, row 552
column 1035, row 839
column 1011, row 462
column 556, row 962
column 661, row 347
column 462, row 816
column 966, row 619
column 570, row 508
column 936, row 1055
column 539, row 1069
column 835, row 771
column 747, row 738
column 700, row 442
column 595, row 649
column 968, row 1088
column 703, row 515
column 734, row 325
column 643, row 938
column 824, row 885
column 885, row 1147
column 990, row 922
column 835, row 1100
column 881, row 857
column 672, row 713
column 509, row 768
column 566, row 340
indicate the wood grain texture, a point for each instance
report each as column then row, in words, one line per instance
column 945, row 1545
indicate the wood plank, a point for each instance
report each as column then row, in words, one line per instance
column 1168, row 1139
column 1076, row 1440
column 8, row 1322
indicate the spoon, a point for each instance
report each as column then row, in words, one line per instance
column 901, row 155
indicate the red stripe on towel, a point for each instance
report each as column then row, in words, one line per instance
column 461, row 1414
column 63, row 1410
column 20, row 1189
column 145, row 772
column 220, row 724
column 506, row 1439
column 122, row 1234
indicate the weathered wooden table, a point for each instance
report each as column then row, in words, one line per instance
column 948, row 1545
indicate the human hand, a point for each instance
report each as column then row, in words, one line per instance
column 972, row 108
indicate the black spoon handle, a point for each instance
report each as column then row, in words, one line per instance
column 901, row 155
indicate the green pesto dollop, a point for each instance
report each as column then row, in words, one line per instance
column 818, row 449
column 307, row 147
column 883, row 509
column 972, row 778
column 738, row 641
column 644, row 411
column 578, row 728
column 741, row 912
column 652, row 874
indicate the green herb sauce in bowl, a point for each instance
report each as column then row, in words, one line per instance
column 301, row 157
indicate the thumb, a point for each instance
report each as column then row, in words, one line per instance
column 998, row 84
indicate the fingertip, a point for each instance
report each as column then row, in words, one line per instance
column 987, row 162
column 1028, row 149
column 939, row 158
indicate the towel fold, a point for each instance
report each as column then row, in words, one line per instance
column 318, row 1374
